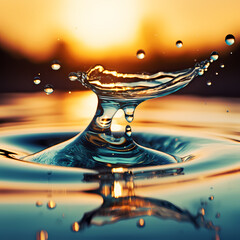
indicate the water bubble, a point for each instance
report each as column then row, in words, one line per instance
column 211, row 198
column 37, row 80
column 140, row 54
column 55, row 65
column 75, row 227
column 128, row 131
column 206, row 65
column 229, row 39
column 48, row 89
column 42, row 235
column 218, row 215
column 39, row 203
column 72, row 76
column 51, row 204
column 141, row 223
column 179, row 44
column 209, row 83
column 222, row 66
column 200, row 72
column 214, row 56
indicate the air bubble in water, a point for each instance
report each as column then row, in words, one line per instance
column 140, row 54
column 51, row 204
column 222, row 66
column 48, row 89
column 37, row 80
column 229, row 39
column 141, row 223
column 214, row 56
column 42, row 235
column 209, row 83
column 128, row 131
column 55, row 65
column 179, row 44
column 72, row 76
column 206, row 65
column 75, row 227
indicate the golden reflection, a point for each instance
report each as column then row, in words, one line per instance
column 42, row 235
column 117, row 190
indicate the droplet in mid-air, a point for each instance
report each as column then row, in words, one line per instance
column 179, row 44
column 55, row 65
column 75, row 227
column 216, row 73
column 128, row 131
column 209, row 83
column 200, row 72
column 211, row 198
column 214, row 56
column 129, row 113
column 42, row 235
column 202, row 211
column 140, row 54
column 222, row 66
column 229, row 39
column 69, row 92
column 37, row 80
column 51, row 204
column 39, row 203
column 48, row 89
column 72, row 76
column 141, row 223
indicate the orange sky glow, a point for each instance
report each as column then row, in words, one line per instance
column 100, row 29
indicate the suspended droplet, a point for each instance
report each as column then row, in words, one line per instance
column 48, row 89
column 128, row 131
column 209, row 83
column 129, row 113
column 231, row 53
column 39, row 74
column 211, row 198
column 179, row 44
column 140, row 54
column 229, row 39
column 222, row 65
column 211, row 60
column 216, row 73
column 37, row 80
column 42, row 235
column 200, row 72
column 202, row 211
column 214, row 56
column 56, row 65
column 75, row 227
column 206, row 65
column 218, row 215
column 72, row 76
column 39, row 203
column 69, row 92
column 141, row 223
column 51, row 204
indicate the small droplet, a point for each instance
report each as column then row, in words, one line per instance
column 202, row 211
column 72, row 76
column 200, row 72
column 140, row 54
column 211, row 198
column 218, row 215
column 214, row 56
column 129, row 113
column 75, row 227
column 48, row 89
column 216, row 73
column 222, row 65
column 42, row 235
column 179, row 44
column 37, row 80
column 56, row 65
column 141, row 223
column 231, row 53
column 229, row 39
column 69, row 92
column 39, row 203
column 209, row 83
column 206, row 65
column 128, row 131
column 211, row 60
column 39, row 74
column 51, row 204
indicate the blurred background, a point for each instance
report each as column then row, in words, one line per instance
column 83, row 33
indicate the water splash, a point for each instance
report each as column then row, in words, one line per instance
column 97, row 147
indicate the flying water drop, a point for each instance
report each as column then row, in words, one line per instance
column 229, row 39
column 222, row 66
column 129, row 113
column 209, row 83
column 72, row 76
column 179, row 44
column 39, row 203
column 216, row 73
column 51, row 204
column 37, row 80
column 128, row 131
column 55, row 65
column 214, row 56
column 140, row 54
column 48, row 89
column 141, row 223
column 75, row 226
column 42, row 235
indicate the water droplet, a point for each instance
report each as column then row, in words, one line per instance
column 72, row 76
column 128, row 131
column 222, row 65
column 42, row 235
column 214, row 56
column 39, row 203
column 206, row 65
column 227, row 111
column 75, row 227
column 202, row 211
column 209, row 83
column 37, row 80
column 48, row 89
column 51, row 204
column 69, row 92
column 179, row 44
column 211, row 60
column 218, row 215
column 231, row 53
column 56, row 65
column 141, row 223
column 200, row 72
column 140, row 54
column 129, row 113
column 229, row 39
column 216, row 73
column 211, row 198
